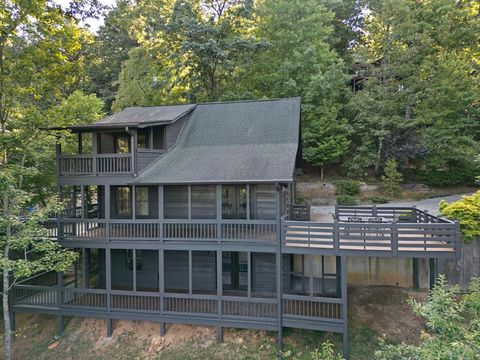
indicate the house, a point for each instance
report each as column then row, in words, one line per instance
column 185, row 214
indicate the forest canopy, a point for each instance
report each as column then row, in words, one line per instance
column 379, row 79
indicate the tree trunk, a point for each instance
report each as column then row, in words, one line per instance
column 321, row 172
column 7, row 344
column 378, row 159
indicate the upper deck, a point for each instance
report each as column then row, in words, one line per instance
column 355, row 231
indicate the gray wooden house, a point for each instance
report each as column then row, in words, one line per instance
column 184, row 214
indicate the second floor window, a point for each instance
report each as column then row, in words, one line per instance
column 143, row 139
column 141, row 201
column 138, row 260
column 123, row 202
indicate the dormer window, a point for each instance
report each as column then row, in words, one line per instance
column 143, row 139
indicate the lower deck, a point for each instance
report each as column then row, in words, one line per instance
column 220, row 288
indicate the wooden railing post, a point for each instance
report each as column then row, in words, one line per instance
column 458, row 240
column 394, row 238
column 336, row 237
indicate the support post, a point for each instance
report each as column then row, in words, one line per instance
column 94, row 155
column 109, row 328
column 219, row 289
column 59, row 327
column 416, row 281
column 108, row 276
column 279, row 236
column 218, row 197
column 219, row 333
column 433, row 272
column 344, row 277
column 161, row 287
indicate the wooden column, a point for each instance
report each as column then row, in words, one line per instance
column 279, row 234
column 219, row 295
column 344, row 277
column 134, row 269
column 218, row 198
column 161, row 287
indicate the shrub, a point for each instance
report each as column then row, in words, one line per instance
column 346, row 200
column 379, row 199
column 467, row 212
column 461, row 173
column 392, row 178
column 347, row 187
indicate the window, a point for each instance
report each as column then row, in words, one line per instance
column 143, row 139
column 121, row 143
column 176, row 202
column 234, row 272
column 122, row 204
column 263, row 202
column 141, row 201
column 203, row 202
column 159, row 137
column 138, row 260
column 234, row 202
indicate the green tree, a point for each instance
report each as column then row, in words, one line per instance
column 40, row 62
column 107, row 52
column 325, row 142
column 301, row 61
column 391, row 178
column 189, row 50
column 452, row 326
column 419, row 84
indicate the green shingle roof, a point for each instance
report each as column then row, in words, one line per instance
column 245, row 141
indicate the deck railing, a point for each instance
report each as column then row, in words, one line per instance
column 217, row 307
column 256, row 231
column 97, row 164
column 385, row 239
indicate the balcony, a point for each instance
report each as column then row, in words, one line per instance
column 322, row 313
column 99, row 164
column 375, row 231
column 358, row 231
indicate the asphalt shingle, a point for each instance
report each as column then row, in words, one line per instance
column 247, row 141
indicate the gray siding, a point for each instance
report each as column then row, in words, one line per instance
column 173, row 131
column 145, row 157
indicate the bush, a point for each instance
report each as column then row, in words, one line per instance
column 379, row 199
column 467, row 212
column 347, row 187
column 462, row 173
column 346, row 200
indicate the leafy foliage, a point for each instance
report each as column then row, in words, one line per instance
column 346, row 200
column 392, row 178
column 453, row 326
column 467, row 212
column 347, row 187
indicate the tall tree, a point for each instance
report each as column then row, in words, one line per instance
column 301, row 61
column 107, row 52
column 193, row 46
column 39, row 61
column 421, row 83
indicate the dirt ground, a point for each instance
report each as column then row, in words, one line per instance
column 385, row 310
column 380, row 309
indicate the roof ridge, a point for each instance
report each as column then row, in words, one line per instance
column 215, row 102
